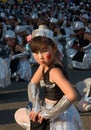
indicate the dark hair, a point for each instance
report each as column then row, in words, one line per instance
column 37, row 43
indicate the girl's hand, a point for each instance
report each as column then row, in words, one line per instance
column 36, row 117
column 33, row 116
column 40, row 118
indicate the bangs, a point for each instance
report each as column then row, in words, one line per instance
column 40, row 42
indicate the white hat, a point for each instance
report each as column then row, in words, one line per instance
column 20, row 28
column 3, row 15
column 43, row 27
column 10, row 34
column 85, row 16
column 60, row 16
column 11, row 17
column 87, row 5
column 53, row 20
column 81, row 3
column 34, row 16
column 82, row 10
column 43, row 32
column 77, row 25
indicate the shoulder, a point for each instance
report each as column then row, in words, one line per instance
column 56, row 74
column 87, row 36
column 56, row 70
column 57, row 67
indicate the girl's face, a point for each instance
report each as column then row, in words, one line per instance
column 79, row 32
column 46, row 55
column 10, row 42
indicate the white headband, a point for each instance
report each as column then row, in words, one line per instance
column 43, row 32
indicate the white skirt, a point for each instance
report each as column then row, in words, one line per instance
column 68, row 120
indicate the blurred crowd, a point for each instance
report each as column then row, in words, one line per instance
column 69, row 21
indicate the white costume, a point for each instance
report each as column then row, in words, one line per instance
column 71, row 52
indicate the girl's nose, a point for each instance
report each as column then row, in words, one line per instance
column 40, row 55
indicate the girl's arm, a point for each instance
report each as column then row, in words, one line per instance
column 33, row 93
column 33, row 89
column 34, row 83
column 37, row 75
column 87, row 37
column 63, row 83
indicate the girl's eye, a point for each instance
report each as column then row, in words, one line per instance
column 44, row 50
column 35, row 54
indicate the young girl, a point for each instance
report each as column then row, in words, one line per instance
column 55, row 106
column 56, row 111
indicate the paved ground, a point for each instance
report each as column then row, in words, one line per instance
column 12, row 98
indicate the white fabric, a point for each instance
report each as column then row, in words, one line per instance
column 85, row 64
column 4, row 73
column 22, row 118
column 25, row 70
column 43, row 32
column 69, row 120
column 84, row 105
